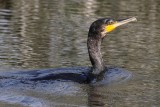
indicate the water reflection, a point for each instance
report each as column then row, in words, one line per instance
column 38, row 34
column 95, row 98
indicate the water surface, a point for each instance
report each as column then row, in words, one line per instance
column 38, row 34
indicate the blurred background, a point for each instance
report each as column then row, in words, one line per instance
column 36, row 34
column 42, row 34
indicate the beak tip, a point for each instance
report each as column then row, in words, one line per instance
column 134, row 19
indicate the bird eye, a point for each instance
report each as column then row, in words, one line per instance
column 110, row 22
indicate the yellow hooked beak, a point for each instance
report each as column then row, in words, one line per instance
column 115, row 24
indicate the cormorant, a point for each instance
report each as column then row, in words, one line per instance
column 97, row 31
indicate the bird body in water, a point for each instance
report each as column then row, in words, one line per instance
column 97, row 31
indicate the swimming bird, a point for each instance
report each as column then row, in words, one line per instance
column 97, row 31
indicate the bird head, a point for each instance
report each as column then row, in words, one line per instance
column 103, row 26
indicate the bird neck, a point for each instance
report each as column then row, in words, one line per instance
column 94, row 50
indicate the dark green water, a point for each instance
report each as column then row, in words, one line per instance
column 36, row 34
